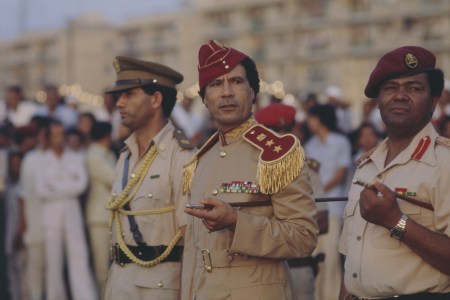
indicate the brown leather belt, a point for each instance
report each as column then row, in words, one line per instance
column 145, row 253
column 418, row 296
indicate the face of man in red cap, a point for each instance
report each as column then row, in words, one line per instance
column 406, row 95
column 228, row 94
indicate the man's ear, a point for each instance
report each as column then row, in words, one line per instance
column 157, row 100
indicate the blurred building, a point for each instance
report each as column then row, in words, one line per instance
column 304, row 44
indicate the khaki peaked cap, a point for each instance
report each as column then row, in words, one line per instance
column 132, row 72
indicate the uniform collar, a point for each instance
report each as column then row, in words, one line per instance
column 420, row 149
column 235, row 133
column 161, row 141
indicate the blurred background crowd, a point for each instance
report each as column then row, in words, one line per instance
column 33, row 134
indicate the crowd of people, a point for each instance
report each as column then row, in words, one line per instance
column 93, row 202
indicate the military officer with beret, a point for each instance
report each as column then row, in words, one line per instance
column 254, row 185
column 147, row 218
column 396, row 235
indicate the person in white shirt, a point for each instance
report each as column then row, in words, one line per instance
column 333, row 151
column 56, row 110
column 62, row 179
column 34, row 239
column 15, row 110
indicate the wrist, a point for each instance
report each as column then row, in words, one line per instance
column 398, row 231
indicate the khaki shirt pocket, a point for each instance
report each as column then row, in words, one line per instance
column 381, row 237
column 163, row 276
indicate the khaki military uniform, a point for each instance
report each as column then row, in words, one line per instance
column 378, row 265
column 249, row 262
column 160, row 190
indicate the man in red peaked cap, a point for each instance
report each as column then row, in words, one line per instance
column 147, row 203
column 253, row 185
column 396, row 248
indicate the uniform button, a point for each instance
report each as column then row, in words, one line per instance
column 215, row 192
column 358, row 238
column 160, row 284
column 354, row 275
column 132, row 175
column 150, row 195
column 222, row 154
column 162, row 147
column 114, row 194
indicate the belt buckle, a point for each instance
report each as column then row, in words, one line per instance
column 115, row 254
column 206, row 256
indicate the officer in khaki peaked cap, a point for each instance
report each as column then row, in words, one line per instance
column 396, row 234
column 254, row 187
column 132, row 72
column 146, row 202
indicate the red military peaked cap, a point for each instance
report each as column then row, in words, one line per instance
column 401, row 62
column 216, row 59
column 276, row 116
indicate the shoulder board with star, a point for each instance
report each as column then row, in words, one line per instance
column 441, row 140
column 364, row 157
column 281, row 158
column 182, row 139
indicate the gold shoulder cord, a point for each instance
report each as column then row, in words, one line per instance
column 115, row 205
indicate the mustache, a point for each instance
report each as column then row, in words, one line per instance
column 226, row 102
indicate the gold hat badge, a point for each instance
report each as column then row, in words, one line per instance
column 116, row 65
column 411, row 61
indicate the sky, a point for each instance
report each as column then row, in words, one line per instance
column 17, row 16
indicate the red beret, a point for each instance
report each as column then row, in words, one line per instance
column 400, row 62
column 214, row 60
column 276, row 116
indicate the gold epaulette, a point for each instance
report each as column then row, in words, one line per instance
column 280, row 161
column 441, row 140
column 191, row 165
column 364, row 157
column 182, row 139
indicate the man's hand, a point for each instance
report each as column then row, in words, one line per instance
column 221, row 216
column 380, row 210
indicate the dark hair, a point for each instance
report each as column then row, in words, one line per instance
column 252, row 76
column 50, row 124
column 326, row 114
column 436, row 82
column 15, row 89
column 169, row 96
column 100, row 130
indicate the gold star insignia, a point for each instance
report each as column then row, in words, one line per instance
column 269, row 143
column 277, row 149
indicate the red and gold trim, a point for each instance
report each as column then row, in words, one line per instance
column 280, row 161
column 421, row 148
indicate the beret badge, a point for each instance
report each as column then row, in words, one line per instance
column 411, row 60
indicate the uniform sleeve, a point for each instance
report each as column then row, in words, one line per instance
column 291, row 232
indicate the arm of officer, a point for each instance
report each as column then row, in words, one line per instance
column 291, row 232
column 433, row 247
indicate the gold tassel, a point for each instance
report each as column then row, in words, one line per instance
column 275, row 176
column 188, row 174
